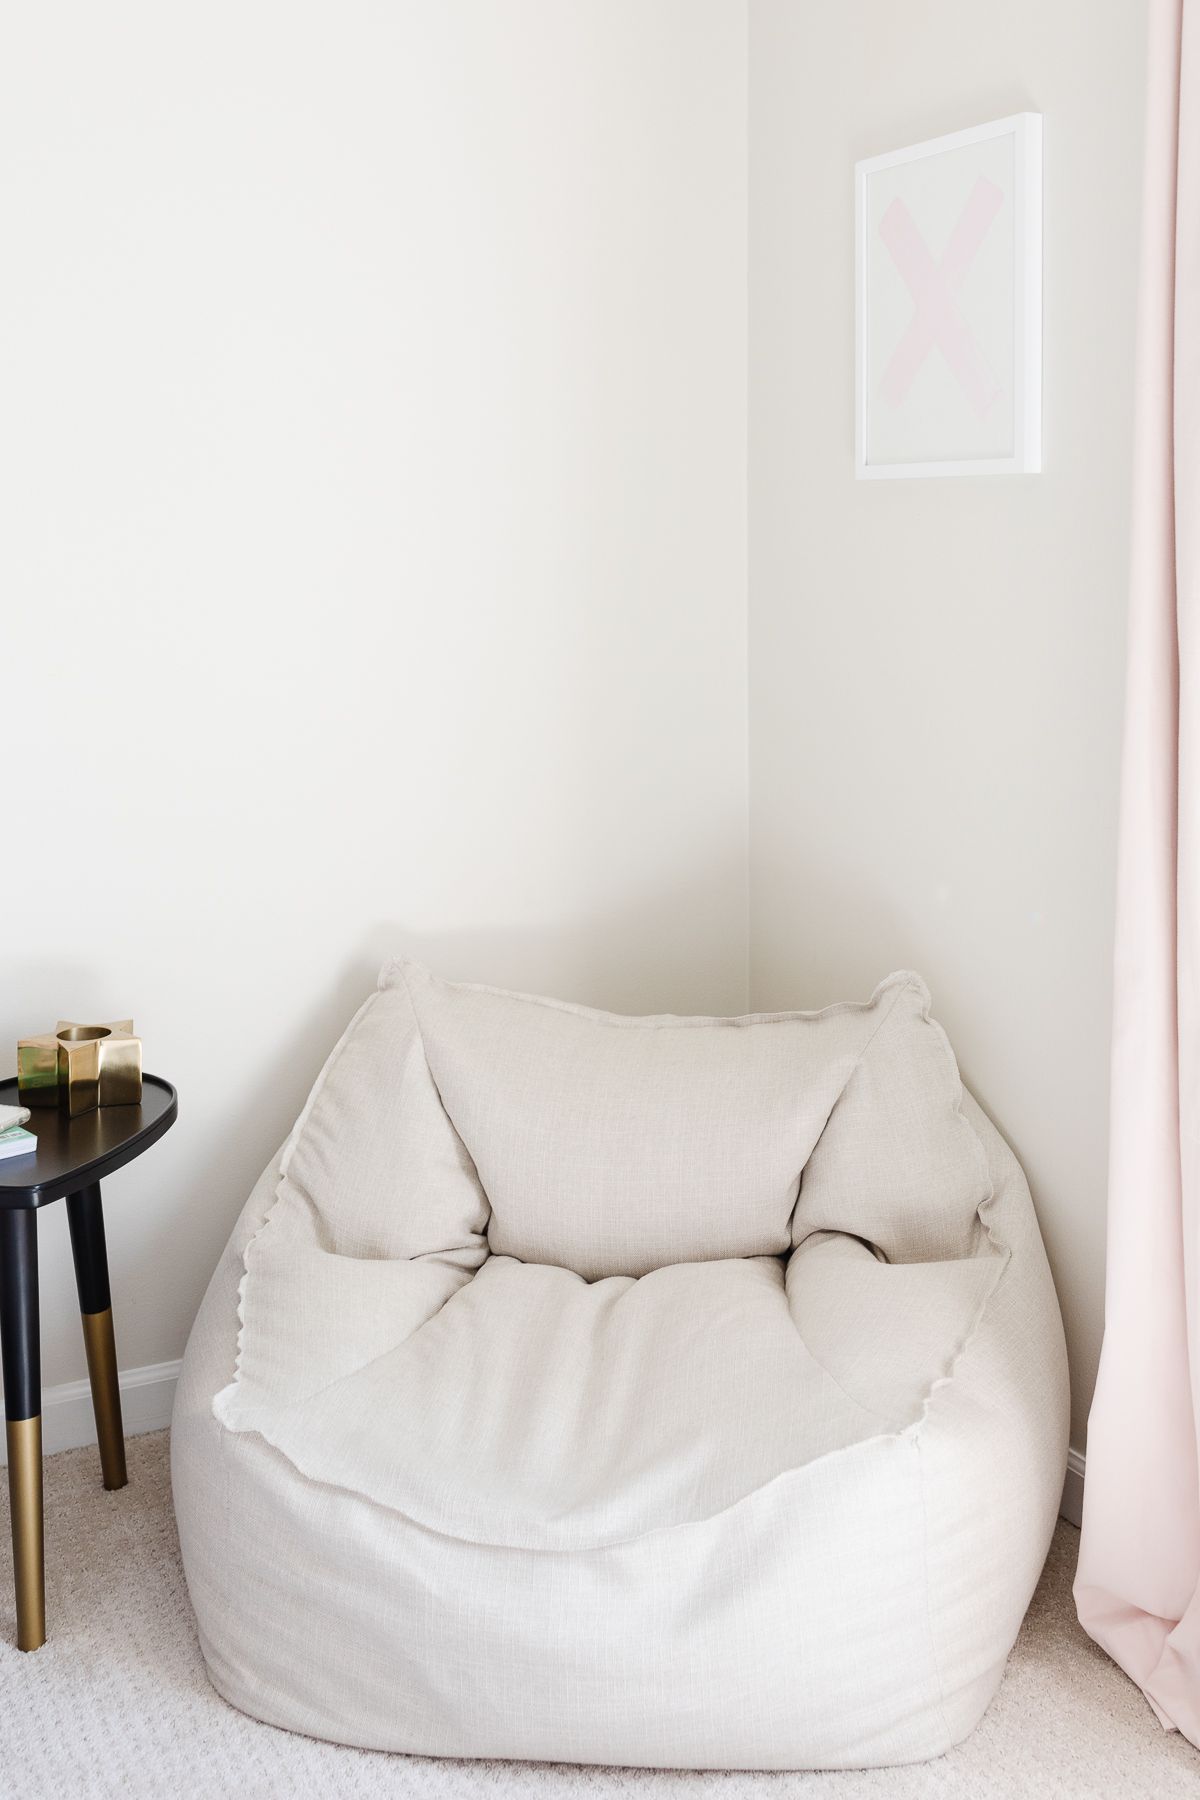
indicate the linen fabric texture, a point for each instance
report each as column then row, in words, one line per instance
column 654, row 1391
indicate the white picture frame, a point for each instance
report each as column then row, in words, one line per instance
column 948, row 283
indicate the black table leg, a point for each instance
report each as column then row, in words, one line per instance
column 86, row 1218
column 20, row 1345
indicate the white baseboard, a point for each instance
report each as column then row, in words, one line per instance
column 67, row 1423
column 1072, row 1499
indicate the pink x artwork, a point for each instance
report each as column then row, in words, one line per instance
column 937, row 321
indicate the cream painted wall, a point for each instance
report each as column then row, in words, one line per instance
column 936, row 666
column 372, row 475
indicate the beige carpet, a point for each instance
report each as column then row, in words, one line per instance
column 117, row 1702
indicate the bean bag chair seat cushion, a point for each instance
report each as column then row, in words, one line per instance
column 660, row 1391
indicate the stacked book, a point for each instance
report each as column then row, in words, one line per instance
column 14, row 1139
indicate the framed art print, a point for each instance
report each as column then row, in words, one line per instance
column 949, row 304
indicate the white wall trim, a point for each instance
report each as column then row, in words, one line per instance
column 147, row 1395
column 1072, row 1500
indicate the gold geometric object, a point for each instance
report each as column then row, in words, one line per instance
column 80, row 1067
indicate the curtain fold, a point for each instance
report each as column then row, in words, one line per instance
column 1138, row 1584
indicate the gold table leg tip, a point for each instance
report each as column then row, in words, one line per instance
column 25, row 1497
column 106, row 1395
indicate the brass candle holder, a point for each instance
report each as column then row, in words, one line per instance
column 80, row 1067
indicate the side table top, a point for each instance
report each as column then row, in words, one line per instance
column 72, row 1153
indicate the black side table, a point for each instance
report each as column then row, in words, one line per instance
column 71, row 1157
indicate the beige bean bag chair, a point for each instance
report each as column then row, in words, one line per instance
column 681, row 1392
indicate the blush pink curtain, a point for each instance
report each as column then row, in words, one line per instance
column 1138, row 1585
